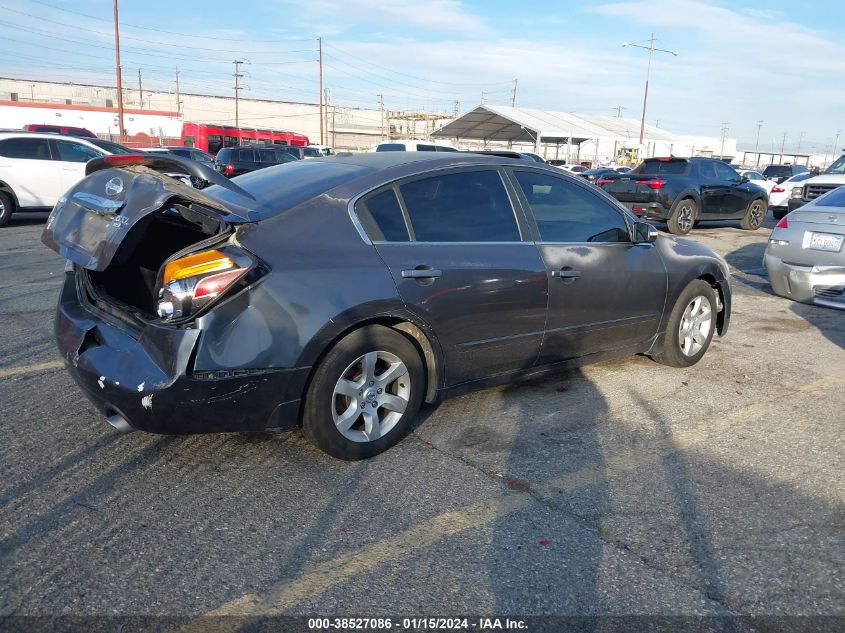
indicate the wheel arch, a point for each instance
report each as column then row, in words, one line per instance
column 6, row 188
column 723, row 305
column 412, row 328
column 683, row 195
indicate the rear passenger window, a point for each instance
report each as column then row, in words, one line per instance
column 387, row 215
column 246, row 155
column 31, row 148
column 469, row 206
column 267, row 156
column 566, row 212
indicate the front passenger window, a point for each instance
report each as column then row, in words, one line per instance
column 566, row 212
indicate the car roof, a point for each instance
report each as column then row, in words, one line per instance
column 384, row 160
column 47, row 135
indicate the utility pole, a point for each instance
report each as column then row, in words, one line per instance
column 800, row 140
column 119, row 79
column 457, row 108
column 513, row 94
column 237, row 75
column 381, row 109
column 482, row 97
column 651, row 50
column 619, row 109
column 320, row 61
column 782, row 145
column 725, row 128
column 757, row 142
column 326, row 114
column 178, row 105
column 140, row 90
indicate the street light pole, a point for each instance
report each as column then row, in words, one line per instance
column 651, row 50
column 757, row 142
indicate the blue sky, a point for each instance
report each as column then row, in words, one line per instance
column 739, row 62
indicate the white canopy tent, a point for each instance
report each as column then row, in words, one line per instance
column 493, row 123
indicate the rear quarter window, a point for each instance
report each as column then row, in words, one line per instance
column 26, row 148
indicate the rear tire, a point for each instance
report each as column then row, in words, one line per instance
column 690, row 328
column 683, row 218
column 754, row 215
column 6, row 208
column 364, row 394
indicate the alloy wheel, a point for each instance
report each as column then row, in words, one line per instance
column 757, row 213
column 370, row 396
column 686, row 217
column 695, row 326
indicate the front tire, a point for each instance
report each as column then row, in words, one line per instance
column 754, row 215
column 683, row 218
column 364, row 394
column 6, row 208
column 690, row 328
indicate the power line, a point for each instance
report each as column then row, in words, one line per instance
column 149, row 28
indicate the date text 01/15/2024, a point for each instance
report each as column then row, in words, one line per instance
column 416, row 623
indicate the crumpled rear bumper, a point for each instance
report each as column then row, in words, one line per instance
column 146, row 376
column 822, row 285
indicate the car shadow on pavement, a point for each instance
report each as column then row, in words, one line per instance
column 828, row 321
column 26, row 219
column 746, row 263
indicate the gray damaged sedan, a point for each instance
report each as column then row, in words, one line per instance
column 805, row 257
column 339, row 294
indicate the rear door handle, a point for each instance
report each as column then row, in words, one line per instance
column 422, row 273
column 566, row 273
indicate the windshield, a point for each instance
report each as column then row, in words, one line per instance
column 777, row 171
column 657, row 167
column 837, row 167
column 282, row 187
column 111, row 148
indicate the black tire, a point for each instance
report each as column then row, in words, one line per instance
column 670, row 350
column 323, row 404
column 779, row 214
column 754, row 215
column 7, row 206
column 683, row 217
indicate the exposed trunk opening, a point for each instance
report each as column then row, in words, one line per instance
column 131, row 277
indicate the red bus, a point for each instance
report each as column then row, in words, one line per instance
column 211, row 138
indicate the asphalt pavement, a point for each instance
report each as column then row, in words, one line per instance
column 625, row 488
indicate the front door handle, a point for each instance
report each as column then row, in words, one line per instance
column 422, row 273
column 566, row 273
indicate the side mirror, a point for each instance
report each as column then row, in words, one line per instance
column 644, row 233
column 744, row 178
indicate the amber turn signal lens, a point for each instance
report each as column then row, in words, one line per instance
column 196, row 264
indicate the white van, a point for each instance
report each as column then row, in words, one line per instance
column 415, row 146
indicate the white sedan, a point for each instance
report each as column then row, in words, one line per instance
column 758, row 179
column 780, row 194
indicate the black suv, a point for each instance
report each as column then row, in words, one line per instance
column 779, row 173
column 241, row 159
column 684, row 191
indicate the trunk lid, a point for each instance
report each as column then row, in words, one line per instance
column 630, row 187
column 91, row 221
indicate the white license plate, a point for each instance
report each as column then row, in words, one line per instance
column 826, row 242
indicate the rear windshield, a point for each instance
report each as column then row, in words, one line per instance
column 657, row 167
column 777, row 171
column 835, row 198
column 390, row 147
column 282, row 187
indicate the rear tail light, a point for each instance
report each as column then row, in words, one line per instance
column 783, row 223
column 654, row 183
column 191, row 283
column 229, row 169
column 603, row 181
column 778, row 189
